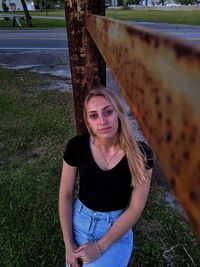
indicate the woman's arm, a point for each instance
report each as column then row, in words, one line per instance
column 68, row 179
column 129, row 217
column 88, row 252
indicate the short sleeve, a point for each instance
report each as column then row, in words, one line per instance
column 71, row 152
column 148, row 154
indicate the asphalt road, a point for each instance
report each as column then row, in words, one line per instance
column 25, row 39
column 185, row 32
column 46, row 50
column 56, row 39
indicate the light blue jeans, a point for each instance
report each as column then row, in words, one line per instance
column 91, row 225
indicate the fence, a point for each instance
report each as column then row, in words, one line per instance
column 159, row 78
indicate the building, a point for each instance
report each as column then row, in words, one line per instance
column 16, row 5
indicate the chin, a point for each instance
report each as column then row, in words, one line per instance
column 107, row 135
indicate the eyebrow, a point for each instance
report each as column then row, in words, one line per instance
column 109, row 106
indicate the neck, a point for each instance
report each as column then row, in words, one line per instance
column 107, row 142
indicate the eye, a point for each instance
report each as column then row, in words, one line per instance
column 108, row 112
column 93, row 116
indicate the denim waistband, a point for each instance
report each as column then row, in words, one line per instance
column 80, row 207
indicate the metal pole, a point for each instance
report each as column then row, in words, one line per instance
column 87, row 65
column 159, row 78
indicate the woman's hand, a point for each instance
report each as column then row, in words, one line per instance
column 87, row 252
column 71, row 259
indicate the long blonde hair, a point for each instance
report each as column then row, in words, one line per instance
column 127, row 138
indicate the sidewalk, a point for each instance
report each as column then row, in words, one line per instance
column 48, row 17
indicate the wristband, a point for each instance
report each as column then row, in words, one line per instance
column 98, row 248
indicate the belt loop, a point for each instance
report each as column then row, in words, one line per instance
column 80, row 206
column 107, row 217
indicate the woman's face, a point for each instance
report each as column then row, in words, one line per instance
column 101, row 117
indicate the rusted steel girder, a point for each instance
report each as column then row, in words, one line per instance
column 87, row 65
column 160, row 79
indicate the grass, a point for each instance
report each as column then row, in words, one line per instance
column 162, row 227
column 34, row 127
column 37, row 23
column 174, row 17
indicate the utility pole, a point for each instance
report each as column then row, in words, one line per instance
column 88, row 68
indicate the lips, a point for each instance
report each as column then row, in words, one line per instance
column 106, row 129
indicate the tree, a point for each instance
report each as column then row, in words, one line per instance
column 4, row 6
column 26, row 12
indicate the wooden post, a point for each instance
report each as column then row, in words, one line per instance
column 87, row 65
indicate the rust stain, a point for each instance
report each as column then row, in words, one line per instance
column 87, row 65
column 160, row 79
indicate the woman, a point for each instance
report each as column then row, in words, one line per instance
column 115, row 173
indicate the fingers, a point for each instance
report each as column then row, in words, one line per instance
column 80, row 248
column 84, row 254
column 87, row 252
column 74, row 264
column 79, row 254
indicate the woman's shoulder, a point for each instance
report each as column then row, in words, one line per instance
column 78, row 139
column 74, row 148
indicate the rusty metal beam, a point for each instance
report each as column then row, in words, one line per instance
column 160, row 79
column 87, row 65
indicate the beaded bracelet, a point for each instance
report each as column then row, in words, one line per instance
column 98, row 248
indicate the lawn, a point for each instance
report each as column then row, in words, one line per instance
column 175, row 17
column 34, row 127
column 37, row 23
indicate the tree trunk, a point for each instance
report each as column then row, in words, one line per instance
column 26, row 12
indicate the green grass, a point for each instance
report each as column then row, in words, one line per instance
column 174, row 17
column 37, row 23
column 44, row 23
column 50, row 12
column 162, row 227
column 34, row 127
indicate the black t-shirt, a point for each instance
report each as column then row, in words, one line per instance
column 101, row 190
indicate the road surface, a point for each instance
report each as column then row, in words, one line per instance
column 46, row 50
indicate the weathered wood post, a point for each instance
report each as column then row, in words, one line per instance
column 87, row 66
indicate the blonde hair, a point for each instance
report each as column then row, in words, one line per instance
column 127, row 139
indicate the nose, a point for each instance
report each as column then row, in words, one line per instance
column 103, row 120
